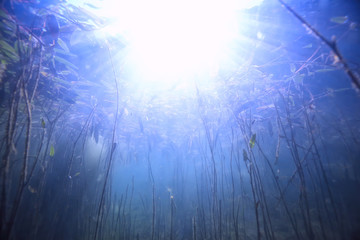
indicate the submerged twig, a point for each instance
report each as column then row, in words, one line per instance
column 113, row 145
column 331, row 44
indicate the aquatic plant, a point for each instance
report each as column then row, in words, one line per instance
column 262, row 147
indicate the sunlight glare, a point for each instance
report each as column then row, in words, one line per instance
column 172, row 40
column 180, row 41
column 168, row 41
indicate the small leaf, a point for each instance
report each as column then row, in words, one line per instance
column 45, row 74
column 65, row 62
column 61, row 51
column 8, row 50
column 76, row 174
column 340, row 19
column 52, row 151
column 245, row 156
column 252, row 140
column 2, row 69
column 31, row 189
column 292, row 101
column 63, row 45
column 292, row 68
column 3, row 14
column 91, row 5
column 325, row 70
column 353, row 25
column 299, row 78
column 266, row 107
column 42, row 123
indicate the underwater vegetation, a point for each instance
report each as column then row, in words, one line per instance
column 263, row 146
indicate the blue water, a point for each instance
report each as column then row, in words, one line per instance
column 264, row 146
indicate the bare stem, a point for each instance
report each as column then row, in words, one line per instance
column 331, row 44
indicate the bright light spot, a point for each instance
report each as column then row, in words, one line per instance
column 172, row 41
column 175, row 40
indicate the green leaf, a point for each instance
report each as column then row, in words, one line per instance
column 42, row 123
column 308, row 46
column 252, row 140
column 65, row 62
column 7, row 26
column 52, row 151
column 16, row 46
column 3, row 14
column 63, row 45
column 8, row 50
column 325, row 70
column 60, row 51
column 2, row 68
column 340, row 19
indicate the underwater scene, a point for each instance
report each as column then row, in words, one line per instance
column 180, row 120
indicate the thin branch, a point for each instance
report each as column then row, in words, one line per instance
column 331, row 44
column 113, row 145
